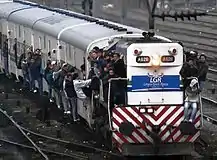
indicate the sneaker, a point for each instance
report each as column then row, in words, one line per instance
column 35, row 91
column 51, row 101
column 185, row 120
column 58, row 107
column 78, row 119
column 65, row 112
column 190, row 120
column 68, row 112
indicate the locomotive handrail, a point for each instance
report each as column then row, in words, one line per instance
column 109, row 92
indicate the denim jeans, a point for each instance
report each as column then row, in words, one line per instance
column 49, row 91
column 6, row 67
column 57, row 97
column 193, row 108
column 64, row 101
column 73, row 107
column 201, row 83
column 26, row 82
column 40, row 84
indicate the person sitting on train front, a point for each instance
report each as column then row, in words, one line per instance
column 203, row 69
column 192, row 99
column 189, row 69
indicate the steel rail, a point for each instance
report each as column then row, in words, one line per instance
column 71, row 143
column 207, row 117
column 76, row 156
column 25, row 135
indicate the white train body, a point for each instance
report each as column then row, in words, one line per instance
column 148, row 81
column 70, row 37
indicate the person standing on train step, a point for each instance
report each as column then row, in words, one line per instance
column 203, row 69
column 48, row 76
column 80, row 86
column 119, row 66
column 71, row 96
column 6, row 56
column 35, row 71
column 58, row 78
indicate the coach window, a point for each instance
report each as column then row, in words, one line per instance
column 0, row 40
column 24, row 34
column 70, row 52
column 19, row 31
column 44, row 42
column 39, row 42
column 49, row 46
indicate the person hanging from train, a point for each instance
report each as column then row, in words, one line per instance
column 120, row 71
column 55, row 84
column 35, row 73
column 80, row 86
column 189, row 69
column 6, row 56
column 15, row 51
column 71, row 95
column 58, row 78
column 191, row 101
column 23, row 65
column 114, row 90
column 203, row 69
column 48, row 76
column 100, row 60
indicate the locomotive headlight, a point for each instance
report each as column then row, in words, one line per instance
column 155, row 61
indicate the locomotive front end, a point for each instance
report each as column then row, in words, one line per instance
column 150, row 122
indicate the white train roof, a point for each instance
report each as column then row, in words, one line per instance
column 52, row 21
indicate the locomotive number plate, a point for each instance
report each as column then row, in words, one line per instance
column 143, row 59
column 167, row 59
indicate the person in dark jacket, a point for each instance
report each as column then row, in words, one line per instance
column 189, row 69
column 71, row 96
column 6, row 56
column 58, row 78
column 119, row 66
column 15, row 50
column 120, row 71
column 48, row 76
column 203, row 69
column 35, row 71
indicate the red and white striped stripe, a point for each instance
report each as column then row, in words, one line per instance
column 165, row 116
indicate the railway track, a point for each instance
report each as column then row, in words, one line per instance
column 43, row 150
column 63, row 148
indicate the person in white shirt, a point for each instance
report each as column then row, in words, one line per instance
column 79, row 84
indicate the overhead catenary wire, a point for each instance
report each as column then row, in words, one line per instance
column 20, row 129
